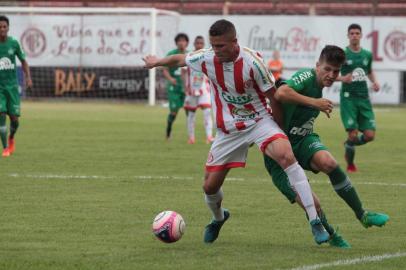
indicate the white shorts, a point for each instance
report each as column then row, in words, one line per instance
column 194, row 102
column 230, row 150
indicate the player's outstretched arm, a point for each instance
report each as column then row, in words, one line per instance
column 345, row 79
column 175, row 60
column 286, row 94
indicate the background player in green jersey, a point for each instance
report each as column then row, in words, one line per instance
column 174, row 87
column 9, row 95
column 302, row 101
column 355, row 106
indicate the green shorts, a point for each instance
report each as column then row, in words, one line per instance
column 176, row 97
column 357, row 113
column 10, row 101
column 303, row 151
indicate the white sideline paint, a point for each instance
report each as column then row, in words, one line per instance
column 174, row 177
column 365, row 259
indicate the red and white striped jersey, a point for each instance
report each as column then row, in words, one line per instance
column 237, row 88
column 197, row 83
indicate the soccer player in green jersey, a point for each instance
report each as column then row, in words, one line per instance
column 9, row 96
column 355, row 106
column 298, row 104
column 174, row 87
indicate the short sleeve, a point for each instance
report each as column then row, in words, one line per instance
column 370, row 63
column 263, row 78
column 299, row 80
column 18, row 51
column 194, row 60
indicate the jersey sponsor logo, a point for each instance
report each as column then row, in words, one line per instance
column 239, row 100
column 358, row 75
column 5, row 64
column 315, row 145
column 33, row 42
column 305, row 129
column 301, row 77
column 244, row 114
column 195, row 58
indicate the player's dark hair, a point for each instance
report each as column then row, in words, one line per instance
column 181, row 36
column 333, row 55
column 199, row 37
column 222, row 27
column 354, row 26
column 4, row 19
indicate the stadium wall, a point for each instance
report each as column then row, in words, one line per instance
column 101, row 56
column 301, row 38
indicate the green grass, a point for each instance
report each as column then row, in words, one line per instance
column 73, row 195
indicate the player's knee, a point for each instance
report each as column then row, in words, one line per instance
column 285, row 159
column 352, row 136
column 368, row 137
column 209, row 188
column 328, row 165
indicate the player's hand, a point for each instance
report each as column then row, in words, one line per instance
column 324, row 105
column 347, row 78
column 28, row 84
column 376, row 86
column 173, row 81
column 150, row 61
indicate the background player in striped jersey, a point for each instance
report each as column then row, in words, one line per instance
column 355, row 106
column 240, row 84
column 197, row 96
column 9, row 95
column 174, row 86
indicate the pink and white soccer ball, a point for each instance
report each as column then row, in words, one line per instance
column 168, row 226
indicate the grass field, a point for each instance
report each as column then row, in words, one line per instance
column 87, row 180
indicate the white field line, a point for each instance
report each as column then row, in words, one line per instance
column 174, row 177
column 365, row 259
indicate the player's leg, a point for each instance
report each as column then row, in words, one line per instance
column 325, row 162
column 349, row 118
column 228, row 151
column 190, row 108
column 3, row 119
column 280, row 180
column 174, row 101
column 204, row 103
column 14, row 123
column 277, row 147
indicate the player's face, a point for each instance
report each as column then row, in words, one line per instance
column 354, row 36
column 225, row 47
column 181, row 44
column 327, row 73
column 199, row 44
column 3, row 29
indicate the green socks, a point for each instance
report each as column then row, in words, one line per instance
column 171, row 119
column 342, row 185
column 3, row 130
column 325, row 223
column 350, row 148
column 13, row 128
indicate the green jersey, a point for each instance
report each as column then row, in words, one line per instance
column 298, row 119
column 175, row 72
column 9, row 49
column 359, row 64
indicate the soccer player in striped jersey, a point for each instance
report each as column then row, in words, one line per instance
column 240, row 84
column 197, row 96
column 9, row 95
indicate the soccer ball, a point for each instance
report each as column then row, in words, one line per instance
column 168, row 226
